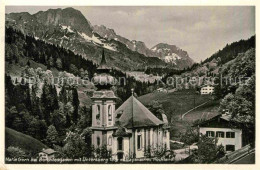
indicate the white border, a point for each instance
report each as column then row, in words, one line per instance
column 124, row 3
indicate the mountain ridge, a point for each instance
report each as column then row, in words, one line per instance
column 141, row 47
column 68, row 28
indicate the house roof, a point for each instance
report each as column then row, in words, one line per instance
column 48, row 151
column 135, row 114
column 216, row 121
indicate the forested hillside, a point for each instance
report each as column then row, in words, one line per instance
column 44, row 110
column 230, row 51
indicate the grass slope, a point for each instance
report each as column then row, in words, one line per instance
column 204, row 112
column 177, row 103
column 25, row 142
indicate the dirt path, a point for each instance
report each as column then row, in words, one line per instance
column 182, row 117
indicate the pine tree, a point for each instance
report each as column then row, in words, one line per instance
column 52, row 135
column 75, row 103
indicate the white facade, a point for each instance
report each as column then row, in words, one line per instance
column 207, row 90
column 144, row 138
column 45, row 157
column 229, row 138
column 104, row 127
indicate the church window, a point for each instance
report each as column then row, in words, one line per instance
column 109, row 113
column 98, row 112
column 120, row 143
column 98, row 141
column 139, row 141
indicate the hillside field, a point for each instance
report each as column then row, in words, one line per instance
column 25, row 142
column 177, row 103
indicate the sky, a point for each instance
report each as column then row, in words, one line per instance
column 201, row 31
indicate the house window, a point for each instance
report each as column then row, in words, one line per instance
column 230, row 134
column 120, row 143
column 110, row 140
column 210, row 133
column 220, row 134
column 230, row 147
column 98, row 141
column 139, row 141
column 98, row 112
column 109, row 113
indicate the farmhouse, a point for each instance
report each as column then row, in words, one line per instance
column 206, row 89
column 131, row 131
column 226, row 131
column 46, row 154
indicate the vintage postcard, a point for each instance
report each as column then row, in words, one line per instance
column 91, row 84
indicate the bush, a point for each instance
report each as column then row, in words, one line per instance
column 15, row 152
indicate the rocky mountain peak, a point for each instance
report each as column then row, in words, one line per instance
column 67, row 17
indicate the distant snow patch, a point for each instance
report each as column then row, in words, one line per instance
column 64, row 27
column 154, row 49
column 97, row 41
column 172, row 58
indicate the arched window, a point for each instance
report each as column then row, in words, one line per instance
column 139, row 140
column 98, row 141
column 109, row 113
column 98, row 112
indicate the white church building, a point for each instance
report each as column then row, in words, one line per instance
column 130, row 131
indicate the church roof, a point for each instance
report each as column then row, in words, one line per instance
column 135, row 114
column 121, row 132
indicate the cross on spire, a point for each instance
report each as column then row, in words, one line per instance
column 132, row 91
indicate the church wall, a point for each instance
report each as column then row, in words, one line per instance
column 106, row 105
column 139, row 152
column 95, row 135
column 96, row 122
column 151, row 138
column 104, row 113
column 114, row 148
column 155, row 138
column 166, row 139
column 109, row 139
column 160, row 138
column 126, row 147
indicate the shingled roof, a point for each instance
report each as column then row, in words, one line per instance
column 135, row 114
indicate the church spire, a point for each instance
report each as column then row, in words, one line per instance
column 103, row 80
column 103, row 64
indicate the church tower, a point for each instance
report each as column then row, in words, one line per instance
column 103, row 107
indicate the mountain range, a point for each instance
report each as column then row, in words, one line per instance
column 69, row 29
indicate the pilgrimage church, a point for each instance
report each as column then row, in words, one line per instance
column 130, row 131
